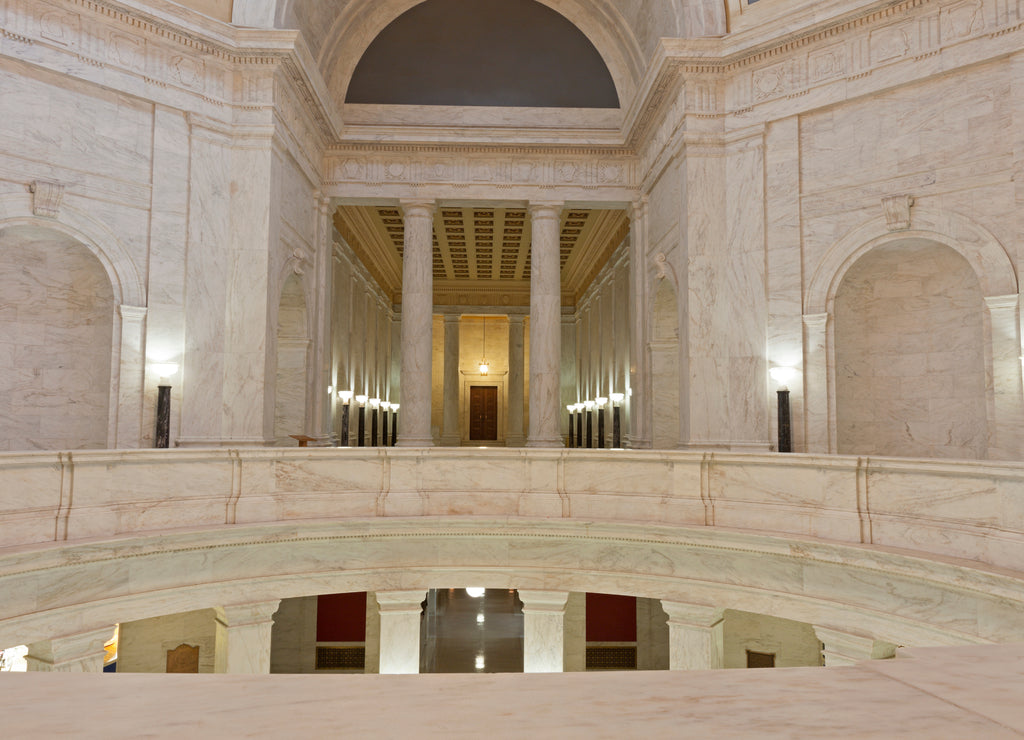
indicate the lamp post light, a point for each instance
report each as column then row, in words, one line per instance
column 394, row 423
column 346, row 399
column 589, row 406
column 782, row 376
column 579, row 424
column 361, row 428
column 384, row 407
column 617, row 399
column 374, row 406
column 601, row 401
column 572, row 436
column 164, row 371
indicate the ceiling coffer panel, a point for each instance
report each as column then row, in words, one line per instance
column 481, row 255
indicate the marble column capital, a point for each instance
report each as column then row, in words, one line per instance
column 541, row 209
column 452, row 318
column 132, row 313
column 815, row 320
column 550, row 602
column 78, row 653
column 842, row 647
column 1002, row 302
column 514, row 318
column 397, row 602
column 692, row 615
column 258, row 612
column 418, row 207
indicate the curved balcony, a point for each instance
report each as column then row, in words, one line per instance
column 917, row 552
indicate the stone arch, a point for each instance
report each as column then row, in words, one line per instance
column 909, row 354
column 996, row 276
column 60, row 319
column 361, row 21
column 127, row 284
column 292, row 345
column 186, row 570
column 975, row 244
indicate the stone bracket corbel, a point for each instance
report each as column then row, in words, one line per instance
column 47, row 196
column 897, row 211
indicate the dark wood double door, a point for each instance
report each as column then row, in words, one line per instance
column 483, row 413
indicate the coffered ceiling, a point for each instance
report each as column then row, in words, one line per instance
column 482, row 254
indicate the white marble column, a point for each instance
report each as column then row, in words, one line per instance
column 816, row 400
column 319, row 402
column 545, row 326
column 1002, row 326
column 131, row 376
column 247, row 629
column 694, row 636
column 450, row 433
column 639, row 410
column 516, row 375
column 417, row 324
column 847, row 648
column 400, row 630
column 81, row 653
column 543, row 630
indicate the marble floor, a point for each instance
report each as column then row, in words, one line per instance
column 474, row 632
column 972, row 693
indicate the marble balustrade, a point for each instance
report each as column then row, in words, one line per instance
column 968, row 510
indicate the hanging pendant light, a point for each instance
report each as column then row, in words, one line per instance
column 484, row 366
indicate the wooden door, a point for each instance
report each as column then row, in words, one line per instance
column 483, row 412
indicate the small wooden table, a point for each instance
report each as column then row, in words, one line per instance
column 302, row 439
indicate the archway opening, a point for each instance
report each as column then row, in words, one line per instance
column 56, row 329
column 909, row 353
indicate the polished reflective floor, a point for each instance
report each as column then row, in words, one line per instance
column 464, row 633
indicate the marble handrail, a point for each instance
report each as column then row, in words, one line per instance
column 953, row 509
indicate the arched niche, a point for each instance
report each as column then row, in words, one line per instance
column 293, row 344
column 909, row 354
column 57, row 327
column 361, row 21
column 997, row 281
column 665, row 378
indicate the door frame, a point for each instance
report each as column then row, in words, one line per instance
column 496, row 380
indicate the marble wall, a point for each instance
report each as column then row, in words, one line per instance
column 293, row 346
column 792, row 643
column 142, row 645
column 57, row 319
column 910, row 354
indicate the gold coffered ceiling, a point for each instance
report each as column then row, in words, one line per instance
column 482, row 255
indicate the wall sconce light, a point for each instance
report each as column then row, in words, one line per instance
column 361, row 429
column 164, row 371
column 374, row 405
column 346, row 399
column 589, row 406
column 330, row 390
column 572, row 430
column 782, row 375
column 601, row 401
column 394, row 423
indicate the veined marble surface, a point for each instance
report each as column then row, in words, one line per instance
column 951, row 693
